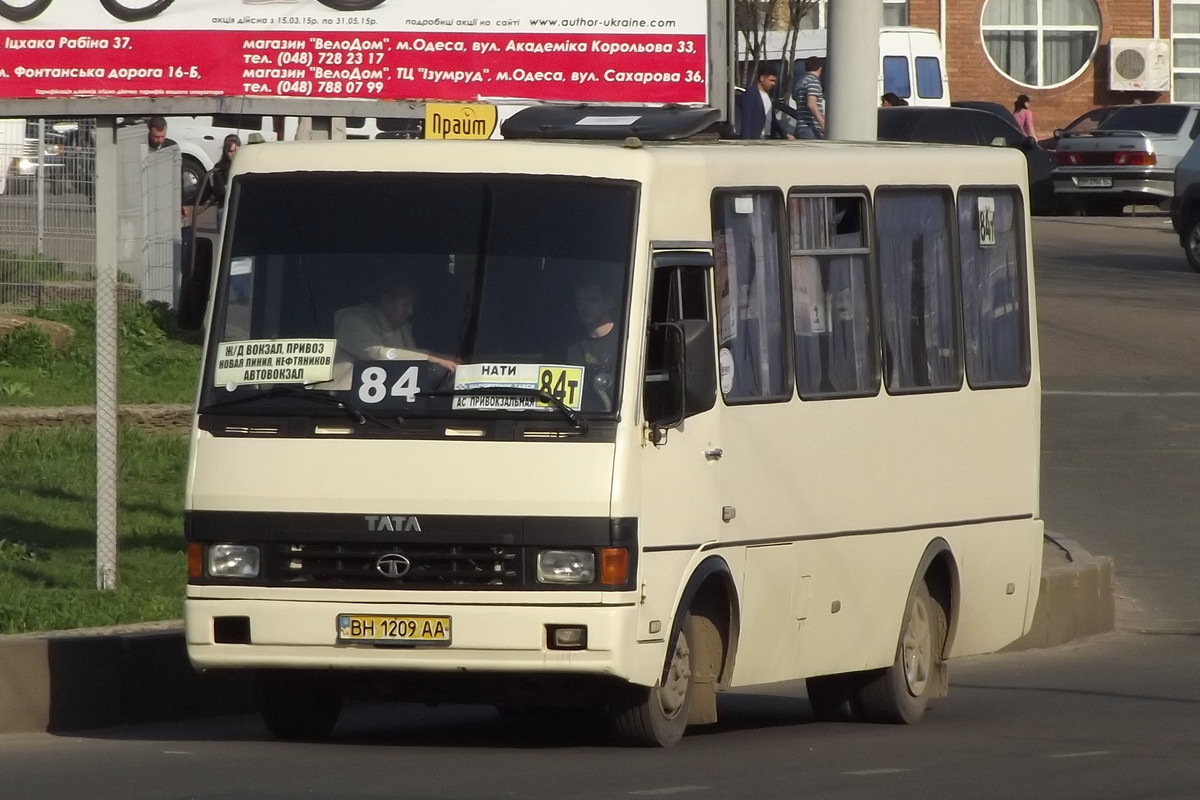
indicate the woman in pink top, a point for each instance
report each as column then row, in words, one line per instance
column 1023, row 115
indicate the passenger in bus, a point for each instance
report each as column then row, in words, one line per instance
column 597, row 350
column 381, row 330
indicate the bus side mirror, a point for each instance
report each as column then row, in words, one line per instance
column 685, row 382
column 699, row 366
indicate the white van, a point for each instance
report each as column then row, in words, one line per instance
column 911, row 63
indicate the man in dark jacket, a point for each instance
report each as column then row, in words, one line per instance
column 757, row 117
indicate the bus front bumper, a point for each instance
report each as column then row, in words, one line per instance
column 483, row 638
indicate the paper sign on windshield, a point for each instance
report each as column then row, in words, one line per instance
column 986, row 210
column 562, row 381
column 274, row 361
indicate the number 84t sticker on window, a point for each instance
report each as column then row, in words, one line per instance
column 516, row 386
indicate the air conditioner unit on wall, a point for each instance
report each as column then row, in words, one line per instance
column 1139, row 65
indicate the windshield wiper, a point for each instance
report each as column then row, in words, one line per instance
column 577, row 422
column 322, row 396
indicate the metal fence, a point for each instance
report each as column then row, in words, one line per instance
column 48, row 220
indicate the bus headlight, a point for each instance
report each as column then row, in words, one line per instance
column 233, row 561
column 566, row 566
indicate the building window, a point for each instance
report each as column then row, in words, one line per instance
column 1041, row 43
column 1185, row 44
column 895, row 12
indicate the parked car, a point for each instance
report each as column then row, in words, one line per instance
column 1185, row 205
column 998, row 109
column 972, row 126
column 1082, row 124
column 1130, row 157
column 30, row 146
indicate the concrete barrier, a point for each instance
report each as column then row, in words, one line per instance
column 75, row 681
column 1077, row 598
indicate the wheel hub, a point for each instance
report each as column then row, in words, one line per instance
column 673, row 692
column 918, row 648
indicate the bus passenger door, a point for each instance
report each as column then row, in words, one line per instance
column 681, row 508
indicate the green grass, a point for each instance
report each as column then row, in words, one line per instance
column 158, row 363
column 48, row 523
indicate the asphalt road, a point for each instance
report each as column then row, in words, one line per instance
column 1119, row 312
column 1110, row 717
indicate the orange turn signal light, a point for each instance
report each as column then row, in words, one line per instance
column 195, row 560
column 614, row 566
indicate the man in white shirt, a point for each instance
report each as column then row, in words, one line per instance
column 381, row 330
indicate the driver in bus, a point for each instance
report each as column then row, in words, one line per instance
column 381, row 330
column 597, row 350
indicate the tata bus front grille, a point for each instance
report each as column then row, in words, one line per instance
column 393, row 566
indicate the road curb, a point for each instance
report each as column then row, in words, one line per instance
column 1076, row 597
column 76, row 680
column 71, row 681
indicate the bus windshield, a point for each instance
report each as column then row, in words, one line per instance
column 419, row 294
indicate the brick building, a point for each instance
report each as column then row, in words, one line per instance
column 1058, row 51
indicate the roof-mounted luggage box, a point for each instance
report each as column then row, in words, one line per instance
column 659, row 124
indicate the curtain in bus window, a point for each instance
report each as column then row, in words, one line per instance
column 750, row 301
column 995, row 316
column 831, row 308
column 917, row 290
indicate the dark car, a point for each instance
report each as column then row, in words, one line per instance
column 999, row 110
column 972, row 126
column 1088, row 121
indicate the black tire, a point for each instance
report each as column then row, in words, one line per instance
column 900, row 693
column 1191, row 239
column 23, row 13
column 122, row 12
column 829, row 696
column 191, row 175
column 351, row 5
column 299, row 706
column 656, row 716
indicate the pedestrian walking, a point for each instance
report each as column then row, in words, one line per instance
column 1023, row 115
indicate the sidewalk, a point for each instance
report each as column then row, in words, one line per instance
column 75, row 680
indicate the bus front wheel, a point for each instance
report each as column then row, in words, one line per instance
column 299, row 706
column 657, row 716
column 901, row 692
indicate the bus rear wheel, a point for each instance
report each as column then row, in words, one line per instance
column 299, row 706
column 657, row 716
column 900, row 693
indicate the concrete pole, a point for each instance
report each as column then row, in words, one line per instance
column 852, row 69
column 106, row 353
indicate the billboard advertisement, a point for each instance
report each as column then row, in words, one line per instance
column 614, row 51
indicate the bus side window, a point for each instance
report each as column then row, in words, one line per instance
column 832, row 315
column 917, row 290
column 754, row 356
column 994, row 288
